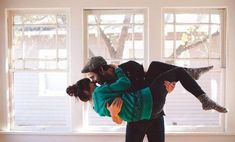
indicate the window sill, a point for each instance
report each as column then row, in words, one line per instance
column 84, row 133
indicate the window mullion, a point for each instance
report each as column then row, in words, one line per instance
column 23, row 48
column 56, row 43
column 174, row 43
column 210, row 38
column 133, row 36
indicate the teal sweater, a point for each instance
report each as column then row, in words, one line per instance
column 136, row 105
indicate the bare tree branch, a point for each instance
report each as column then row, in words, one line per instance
column 185, row 47
column 108, row 43
column 123, row 36
column 121, row 41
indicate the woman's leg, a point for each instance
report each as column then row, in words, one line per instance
column 179, row 74
column 156, row 68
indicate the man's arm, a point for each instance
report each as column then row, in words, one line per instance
column 117, row 119
column 121, row 84
column 114, row 110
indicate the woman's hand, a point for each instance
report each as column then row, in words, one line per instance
column 169, row 86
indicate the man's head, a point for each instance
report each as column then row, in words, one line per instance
column 98, row 70
column 93, row 64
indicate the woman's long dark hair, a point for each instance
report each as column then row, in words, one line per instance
column 77, row 89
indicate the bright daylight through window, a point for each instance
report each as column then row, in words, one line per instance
column 194, row 38
column 118, row 36
column 38, row 70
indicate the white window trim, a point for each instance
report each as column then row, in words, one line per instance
column 9, row 13
column 76, row 113
column 117, row 128
column 222, row 117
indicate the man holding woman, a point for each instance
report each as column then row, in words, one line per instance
column 154, row 127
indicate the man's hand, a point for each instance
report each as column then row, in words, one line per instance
column 169, row 86
column 114, row 109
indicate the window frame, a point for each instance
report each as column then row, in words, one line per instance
column 86, row 12
column 10, row 13
column 222, row 12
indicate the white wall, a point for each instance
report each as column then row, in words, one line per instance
column 76, row 41
column 3, row 105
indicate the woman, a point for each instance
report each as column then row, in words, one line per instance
column 142, row 104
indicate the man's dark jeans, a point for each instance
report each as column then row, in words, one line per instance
column 154, row 129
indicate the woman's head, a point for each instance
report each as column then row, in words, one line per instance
column 102, row 74
column 82, row 89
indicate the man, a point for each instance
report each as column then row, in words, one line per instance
column 98, row 70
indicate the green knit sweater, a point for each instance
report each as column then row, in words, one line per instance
column 136, row 105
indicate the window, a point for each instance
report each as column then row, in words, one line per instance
column 195, row 38
column 38, row 70
column 118, row 36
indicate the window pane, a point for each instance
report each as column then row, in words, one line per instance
column 169, row 48
column 184, row 109
column 95, row 120
column 47, row 64
column 216, row 63
column 112, row 18
column 138, row 41
column 32, row 106
column 139, row 18
column 17, row 20
column 195, row 62
column 97, row 40
column 192, row 18
column 192, row 41
column 215, row 18
column 62, row 65
column 61, row 19
column 32, row 64
column 62, row 53
column 61, row 38
column 39, row 19
column 215, row 41
column 116, row 38
column 37, row 39
column 18, row 64
column 17, row 43
column 169, row 40
column 106, row 41
column 168, row 18
column 91, row 19
column 190, row 62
